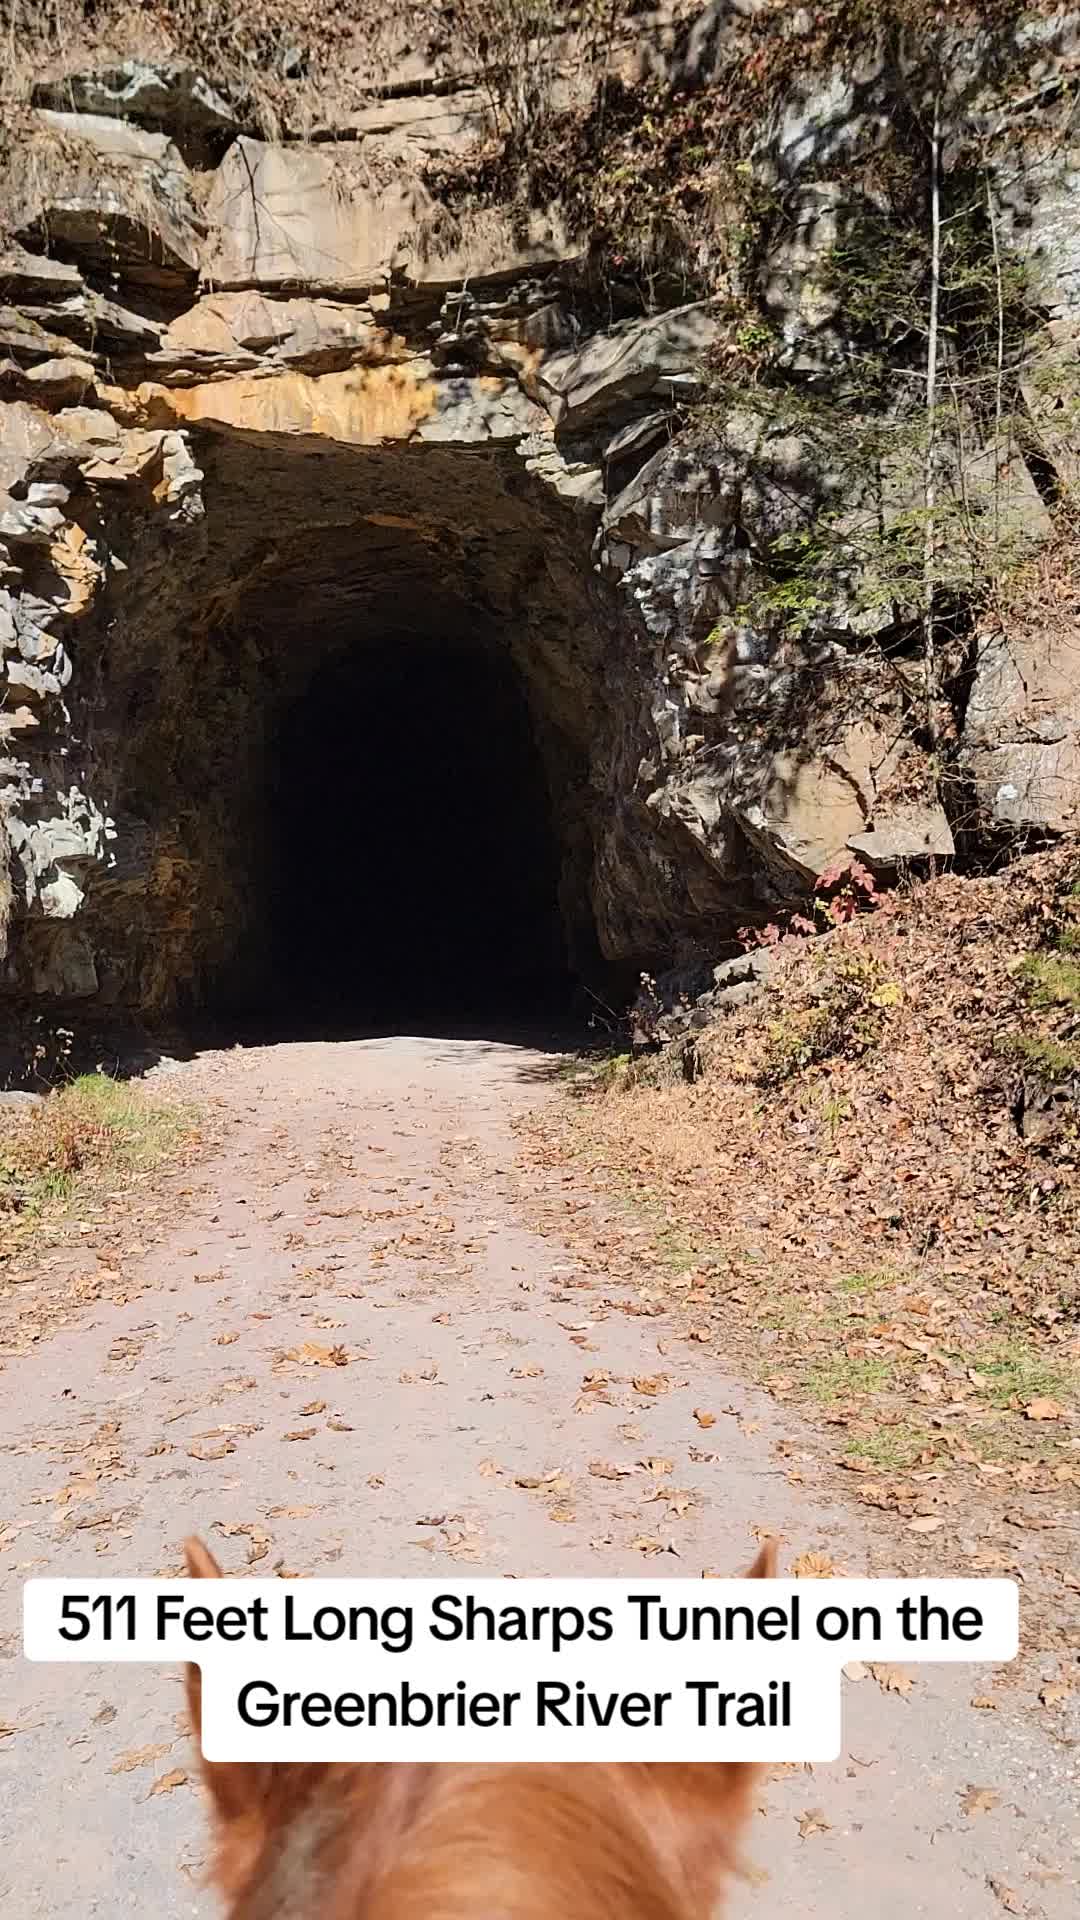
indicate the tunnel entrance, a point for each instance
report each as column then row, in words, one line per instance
column 410, row 865
column 357, row 755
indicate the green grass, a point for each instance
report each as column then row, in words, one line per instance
column 1052, row 979
column 840, row 1378
column 870, row 1282
column 95, row 1128
column 891, row 1448
column 674, row 1248
column 1016, row 1370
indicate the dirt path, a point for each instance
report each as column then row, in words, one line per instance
column 368, row 1200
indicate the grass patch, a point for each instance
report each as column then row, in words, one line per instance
column 843, row 1020
column 1042, row 1054
column 674, row 1249
column 839, row 1379
column 92, row 1131
column 1052, row 979
column 870, row 1282
column 891, row 1448
column 1017, row 1370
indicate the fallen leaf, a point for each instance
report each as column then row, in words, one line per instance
column 1043, row 1409
column 200, row 1450
column 813, row 1566
column 311, row 1354
column 979, row 1800
column 1053, row 1692
column 650, row 1383
column 984, row 1701
column 301, row 1433
column 138, row 1757
column 704, row 1419
column 314, row 1406
column 609, row 1470
column 892, row 1679
column 1007, row 1895
column 167, row 1781
column 813, row 1821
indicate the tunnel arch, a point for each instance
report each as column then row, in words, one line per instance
column 356, row 741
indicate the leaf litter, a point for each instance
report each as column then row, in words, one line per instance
column 875, row 1235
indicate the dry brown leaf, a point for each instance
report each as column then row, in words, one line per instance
column 813, row 1821
column 314, row 1406
column 139, row 1757
column 226, row 1339
column 979, row 1799
column 202, row 1450
column 301, row 1433
column 892, row 1679
column 703, row 1418
column 813, row 1566
column 259, row 1541
column 653, row 1464
column 651, row 1383
column 166, row 1782
column 311, row 1354
column 1053, row 1692
column 1044, row 1409
column 985, row 1701
column 1007, row 1895
column 609, row 1470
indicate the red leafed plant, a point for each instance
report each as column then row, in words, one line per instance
column 842, row 890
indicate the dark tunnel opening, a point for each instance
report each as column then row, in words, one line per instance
column 411, row 865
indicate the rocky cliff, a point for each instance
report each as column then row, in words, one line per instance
column 772, row 601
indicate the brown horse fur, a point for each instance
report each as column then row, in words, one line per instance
column 446, row 1842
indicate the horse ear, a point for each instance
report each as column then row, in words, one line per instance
column 764, row 1567
column 201, row 1565
column 200, row 1561
column 236, row 1789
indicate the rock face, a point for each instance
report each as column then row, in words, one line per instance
column 264, row 404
